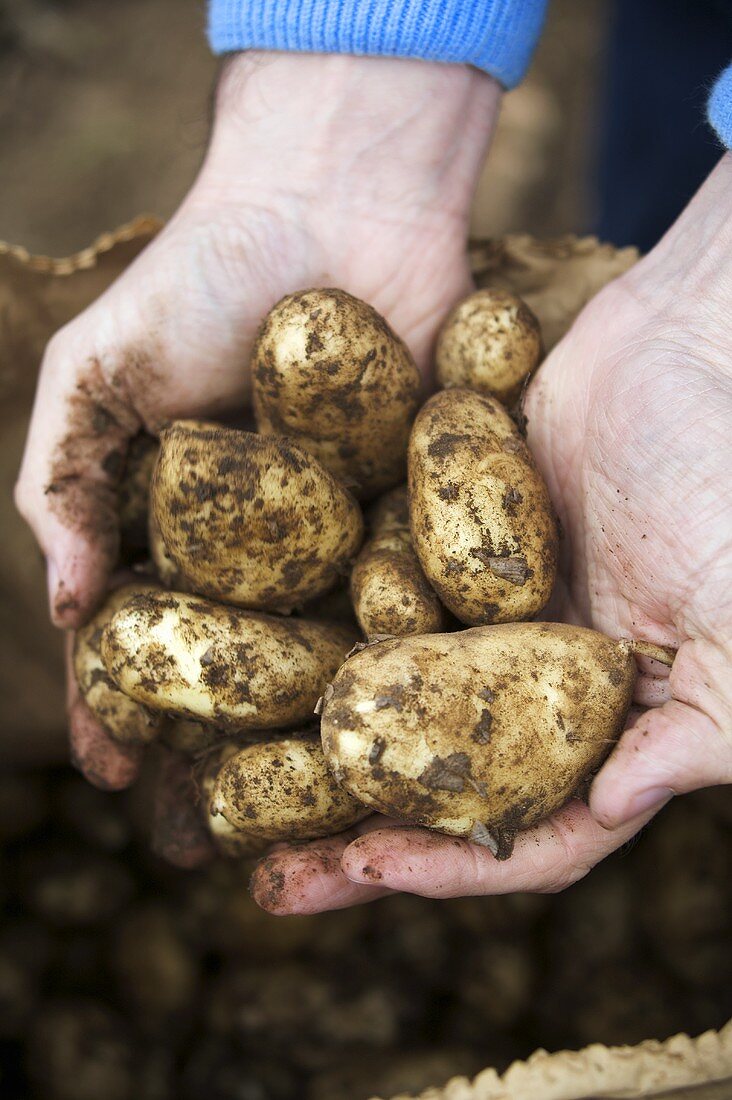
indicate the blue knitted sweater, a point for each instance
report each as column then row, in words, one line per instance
column 496, row 35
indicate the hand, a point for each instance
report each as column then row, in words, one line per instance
column 339, row 171
column 630, row 420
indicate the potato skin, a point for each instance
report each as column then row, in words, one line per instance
column 390, row 593
column 479, row 733
column 234, row 669
column 125, row 720
column 491, row 342
column 328, row 371
column 252, row 521
column 482, row 523
column 282, row 790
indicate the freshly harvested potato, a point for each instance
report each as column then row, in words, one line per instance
column 282, row 790
column 390, row 592
column 231, row 668
column 328, row 371
column 252, row 521
column 480, row 733
column 191, row 738
column 229, row 840
column 491, row 342
column 124, row 719
column 482, row 523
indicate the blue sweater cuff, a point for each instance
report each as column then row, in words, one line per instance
column 719, row 108
column 496, row 35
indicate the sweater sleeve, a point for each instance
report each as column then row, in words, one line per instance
column 720, row 107
column 495, row 35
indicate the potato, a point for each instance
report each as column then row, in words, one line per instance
column 251, row 521
column 480, row 733
column 231, row 668
column 328, row 371
column 229, row 840
column 282, row 790
column 191, row 738
column 482, row 523
column 124, row 719
column 389, row 590
column 491, row 342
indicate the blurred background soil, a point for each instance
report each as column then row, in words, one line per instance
column 104, row 113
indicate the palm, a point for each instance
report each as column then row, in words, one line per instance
column 631, row 437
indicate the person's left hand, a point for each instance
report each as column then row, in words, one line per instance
column 630, row 420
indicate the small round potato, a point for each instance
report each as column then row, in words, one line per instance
column 482, row 523
column 282, row 790
column 480, row 733
column 251, row 521
column 124, row 720
column 329, row 372
column 390, row 592
column 491, row 342
column 190, row 738
column 231, row 668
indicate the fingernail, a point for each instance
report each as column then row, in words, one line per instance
column 646, row 801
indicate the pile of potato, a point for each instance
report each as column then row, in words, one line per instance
column 438, row 702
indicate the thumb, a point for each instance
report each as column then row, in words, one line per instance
column 670, row 750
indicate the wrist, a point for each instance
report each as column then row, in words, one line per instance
column 340, row 136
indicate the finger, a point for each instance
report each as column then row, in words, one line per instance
column 545, row 859
column 308, row 878
column 179, row 833
column 670, row 750
column 67, row 487
column 105, row 763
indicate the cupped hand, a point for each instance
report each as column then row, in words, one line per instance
column 630, row 420
column 324, row 171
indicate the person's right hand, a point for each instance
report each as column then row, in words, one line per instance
column 330, row 171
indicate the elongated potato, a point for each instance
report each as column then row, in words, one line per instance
column 482, row 523
column 234, row 669
column 229, row 840
column 282, row 790
column 252, row 521
column 124, row 719
column 390, row 593
column 328, row 371
column 480, row 733
column 491, row 342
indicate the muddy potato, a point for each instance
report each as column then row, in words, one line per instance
column 252, row 521
column 229, row 840
column 282, row 790
column 491, row 342
column 191, row 738
column 482, row 523
column 234, row 669
column 390, row 593
column 328, row 371
column 480, row 733
column 124, row 719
